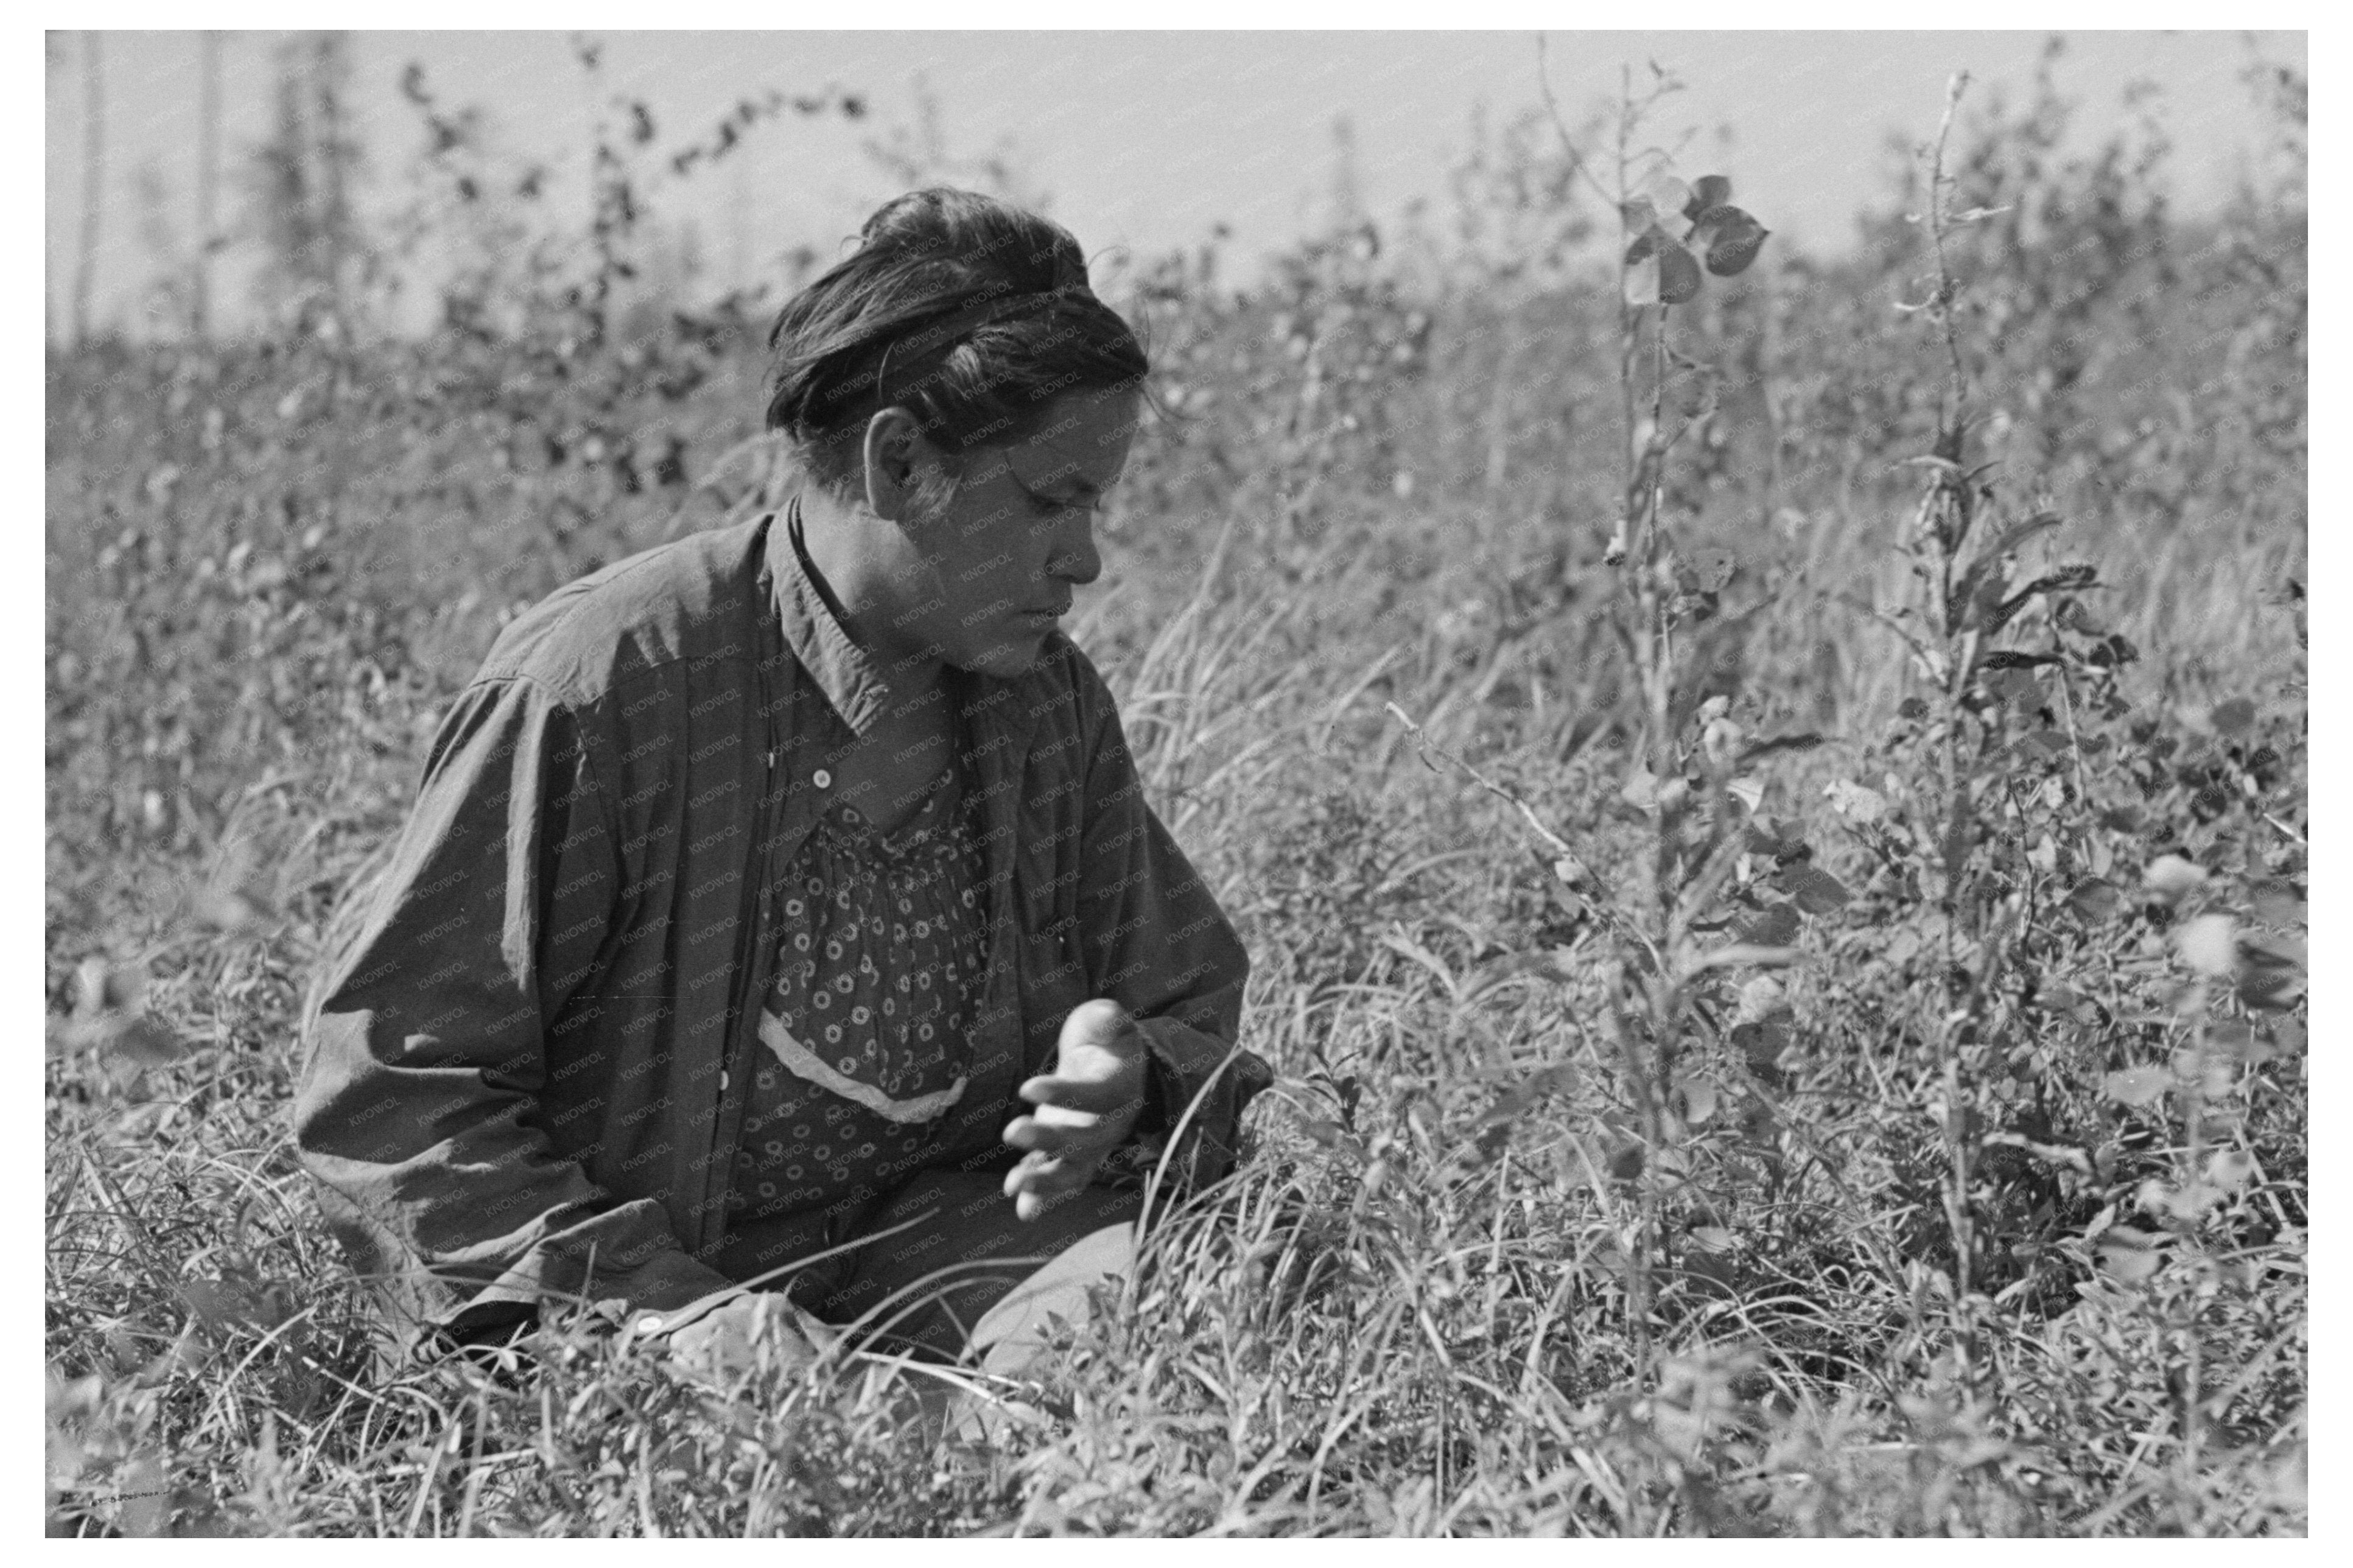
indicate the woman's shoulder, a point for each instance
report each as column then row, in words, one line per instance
column 691, row 599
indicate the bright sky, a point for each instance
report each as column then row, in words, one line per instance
column 1137, row 139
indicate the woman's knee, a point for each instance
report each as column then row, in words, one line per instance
column 1011, row 1334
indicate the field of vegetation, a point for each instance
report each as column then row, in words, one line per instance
column 1766, row 797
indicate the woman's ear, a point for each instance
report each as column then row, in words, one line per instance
column 895, row 453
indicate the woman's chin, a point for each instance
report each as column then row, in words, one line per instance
column 1013, row 657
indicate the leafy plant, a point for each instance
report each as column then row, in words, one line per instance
column 1682, row 1129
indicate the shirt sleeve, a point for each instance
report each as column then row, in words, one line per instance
column 1155, row 941
column 426, row 1047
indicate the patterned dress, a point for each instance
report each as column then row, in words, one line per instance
column 882, row 959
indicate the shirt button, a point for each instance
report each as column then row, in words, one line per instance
column 822, row 779
column 723, row 1083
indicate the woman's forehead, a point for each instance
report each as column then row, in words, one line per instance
column 1087, row 439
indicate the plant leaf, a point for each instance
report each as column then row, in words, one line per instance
column 1641, row 280
column 2135, row 1087
column 2290, row 951
column 1773, row 927
column 1856, row 803
column 1761, row 996
column 2235, row 716
column 1736, row 955
column 101, row 988
column 1659, row 270
column 1816, row 890
column 2078, row 574
column 1679, row 274
column 2278, row 903
column 145, row 1492
column 2128, row 1262
column 2171, row 878
column 2205, row 946
column 2273, row 990
column 2094, row 899
column 1783, row 841
column 2231, row 1169
column 1707, row 191
column 1699, row 1100
column 1397, row 941
column 2016, row 533
column 2015, row 688
column 1666, row 194
column 144, row 1043
column 1730, row 238
column 1805, row 742
column 1711, row 567
column 1760, row 1044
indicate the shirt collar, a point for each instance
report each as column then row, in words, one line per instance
column 843, row 671
column 848, row 676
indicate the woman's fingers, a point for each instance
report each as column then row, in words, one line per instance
column 735, row 1338
column 1055, row 1131
column 1045, row 1176
column 1061, row 1112
column 1031, row 1168
column 1030, row 1136
column 1096, row 1097
column 1037, row 1181
column 1083, row 1109
column 1028, row 1206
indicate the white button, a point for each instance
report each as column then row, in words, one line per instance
column 822, row 779
column 722, row 1081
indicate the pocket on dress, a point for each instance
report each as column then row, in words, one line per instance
column 806, row 1065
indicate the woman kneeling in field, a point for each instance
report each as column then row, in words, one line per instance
column 780, row 908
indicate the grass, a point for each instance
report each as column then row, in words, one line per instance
column 1477, row 1274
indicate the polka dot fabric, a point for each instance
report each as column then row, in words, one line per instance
column 882, row 953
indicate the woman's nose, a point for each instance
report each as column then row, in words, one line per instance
column 1074, row 559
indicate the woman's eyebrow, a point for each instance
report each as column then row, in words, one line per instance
column 1063, row 484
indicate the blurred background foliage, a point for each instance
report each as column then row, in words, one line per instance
column 1386, row 469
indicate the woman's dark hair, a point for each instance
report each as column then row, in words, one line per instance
column 969, row 312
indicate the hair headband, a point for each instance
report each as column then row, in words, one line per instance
column 966, row 319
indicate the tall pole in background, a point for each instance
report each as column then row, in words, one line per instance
column 739, row 218
column 208, row 117
column 1348, row 199
column 93, row 182
column 330, row 68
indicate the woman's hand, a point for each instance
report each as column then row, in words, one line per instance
column 1086, row 1107
column 726, row 1341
